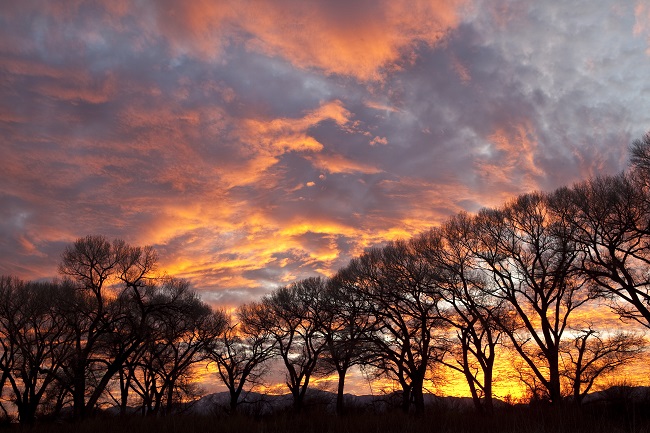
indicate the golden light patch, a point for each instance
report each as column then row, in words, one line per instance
column 381, row 106
column 300, row 228
column 334, row 163
column 518, row 146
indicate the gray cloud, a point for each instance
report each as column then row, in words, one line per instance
column 249, row 158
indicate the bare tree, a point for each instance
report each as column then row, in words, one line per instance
column 184, row 333
column 403, row 299
column 530, row 252
column 476, row 315
column 640, row 158
column 347, row 327
column 111, row 309
column 35, row 341
column 589, row 355
column 610, row 220
column 288, row 314
column 240, row 352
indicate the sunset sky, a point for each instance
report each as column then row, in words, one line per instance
column 253, row 143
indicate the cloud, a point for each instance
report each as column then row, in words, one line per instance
column 253, row 143
column 333, row 163
column 358, row 39
column 511, row 157
column 264, row 141
column 642, row 24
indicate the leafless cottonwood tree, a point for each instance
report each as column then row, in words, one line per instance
column 610, row 220
column 475, row 314
column 531, row 255
column 184, row 333
column 403, row 300
column 240, row 352
column 589, row 355
column 640, row 158
column 289, row 316
column 109, row 314
column 347, row 329
column 35, row 341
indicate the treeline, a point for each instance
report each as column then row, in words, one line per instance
column 108, row 330
column 510, row 278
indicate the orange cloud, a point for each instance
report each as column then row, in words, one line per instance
column 461, row 70
column 359, row 39
column 89, row 90
column 381, row 106
column 265, row 140
column 334, row 163
column 198, row 27
column 511, row 154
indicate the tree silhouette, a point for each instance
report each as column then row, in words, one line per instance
column 590, row 355
column 240, row 351
column 35, row 341
column 610, row 220
column 347, row 328
column 475, row 314
column 403, row 298
column 184, row 333
column 530, row 253
column 289, row 316
column 109, row 313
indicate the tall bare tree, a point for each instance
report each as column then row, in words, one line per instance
column 184, row 333
column 289, row 315
column 109, row 314
column 35, row 341
column 640, row 158
column 610, row 220
column 475, row 314
column 240, row 352
column 531, row 255
column 403, row 299
column 347, row 327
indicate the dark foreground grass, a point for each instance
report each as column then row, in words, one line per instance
column 515, row 420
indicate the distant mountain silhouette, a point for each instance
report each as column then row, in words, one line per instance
column 266, row 403
column 263, row 404
column 619, row 393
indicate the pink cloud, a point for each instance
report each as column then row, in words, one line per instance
column 642, row 24
column 359, row 39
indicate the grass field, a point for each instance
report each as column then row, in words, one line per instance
column 595, row 419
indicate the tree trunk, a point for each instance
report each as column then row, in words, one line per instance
column 124, row 392
column 234, row 401
column 27, row 413
column 478, row 405
column 406, row 398
column 112, row 369
column 297, row 402
column 298, row 397
column 170, row 397
column 488, row 406
column 340, row 409
column 79, row 394
column 554, row 379
column 417, row 394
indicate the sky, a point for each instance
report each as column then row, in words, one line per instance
column 253, row 143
